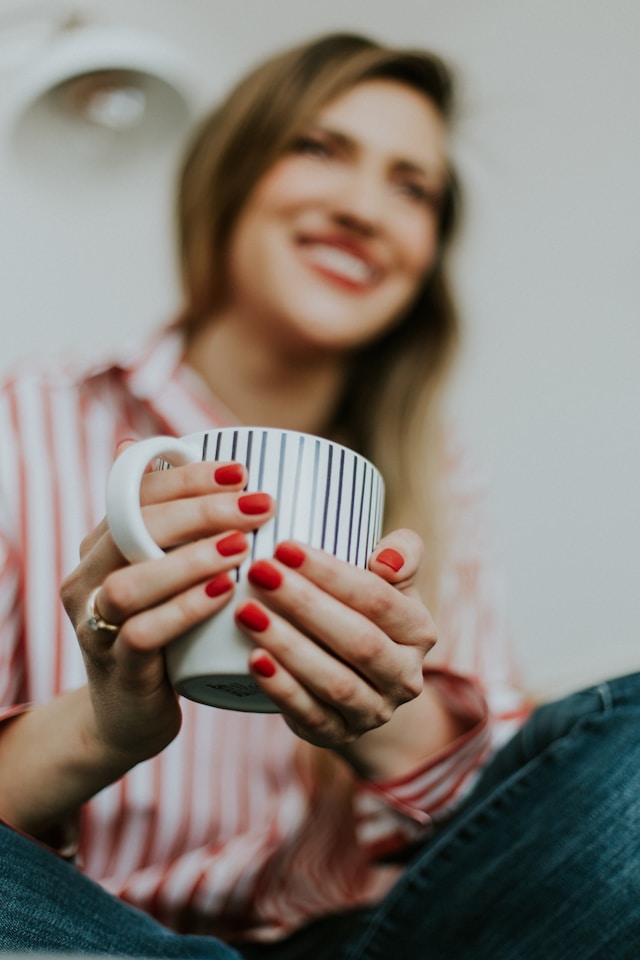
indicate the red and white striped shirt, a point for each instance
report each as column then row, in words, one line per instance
column 238, row 828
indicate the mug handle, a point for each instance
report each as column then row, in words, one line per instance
column 124, row 512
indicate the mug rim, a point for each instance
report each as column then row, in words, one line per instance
column 190, row 437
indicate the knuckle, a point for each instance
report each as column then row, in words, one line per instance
column 426, row 640
column 201, row 555
column 182, row 481
column 413, row 686
column 320, row 726
column 132, row 634
column 172, row 482
column 370, row 647
column 117, row 593
column 86, row 545
column 344, row 689
column 350, row 736
column 189, row 611
column 382, row 713
column 67, row 590
column 380, row 601
column 209, row 511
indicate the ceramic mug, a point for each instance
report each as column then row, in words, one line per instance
column 327, row 496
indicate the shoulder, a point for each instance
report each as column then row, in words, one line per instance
column 73, row 370
column 49, row 372
column 44, row 390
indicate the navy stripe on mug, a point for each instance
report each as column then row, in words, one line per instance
column 327, row 496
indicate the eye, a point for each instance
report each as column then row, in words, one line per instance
column 312, row 146
column 421, row 194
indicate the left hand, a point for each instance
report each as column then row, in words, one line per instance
column 338, row 648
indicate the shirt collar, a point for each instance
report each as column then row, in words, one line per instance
column 155, row 373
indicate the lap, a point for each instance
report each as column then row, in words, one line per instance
column 48, row 906
column 543, row 861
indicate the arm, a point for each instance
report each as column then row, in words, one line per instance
column 50, row 764
column 56, row 756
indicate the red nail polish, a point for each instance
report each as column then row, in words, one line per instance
column 290, row 554
column 231, row 544
column 219, row 585
column 264, row 665
column 253, row 617
column 229, row 473
column 264, row 574
column 254, row 503
column 391, row 558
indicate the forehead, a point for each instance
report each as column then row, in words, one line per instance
column 392, row 118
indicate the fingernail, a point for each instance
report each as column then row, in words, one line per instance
column 120, row 443
column 263, row 574
column 253, row 617
column 290, row 554
column 254, row 503
column 229, row 473
column 219, row 585
column 391, row 558
column 233, row 543
column 263, row 665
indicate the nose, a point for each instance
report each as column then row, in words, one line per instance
column 359, row 203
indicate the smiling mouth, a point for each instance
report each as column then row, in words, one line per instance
column 339, row 263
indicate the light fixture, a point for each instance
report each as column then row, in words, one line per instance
column 99, row 94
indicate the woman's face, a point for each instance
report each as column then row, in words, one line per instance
column 336, row 238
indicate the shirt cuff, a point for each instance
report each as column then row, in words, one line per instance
column 400, row 811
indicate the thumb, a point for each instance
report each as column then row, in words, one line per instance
column 397, row 557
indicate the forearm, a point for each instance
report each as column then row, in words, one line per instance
column 418, row 730
column 51, row 763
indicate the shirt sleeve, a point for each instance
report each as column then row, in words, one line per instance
column 12, row 664
column 62, row 839
column 472, row 668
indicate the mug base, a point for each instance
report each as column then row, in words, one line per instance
column 230, row 691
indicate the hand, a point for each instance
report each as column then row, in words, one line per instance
column 338, row 648
column 203, row 509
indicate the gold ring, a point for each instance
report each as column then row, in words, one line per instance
column 95, row 621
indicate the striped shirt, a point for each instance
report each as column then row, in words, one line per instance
column 238, row 828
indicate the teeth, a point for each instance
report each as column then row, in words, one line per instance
column 340, row 261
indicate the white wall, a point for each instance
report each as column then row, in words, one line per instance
column 549, row 146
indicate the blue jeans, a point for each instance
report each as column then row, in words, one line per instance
column 543, row 861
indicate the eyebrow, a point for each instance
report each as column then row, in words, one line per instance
column 436, row 170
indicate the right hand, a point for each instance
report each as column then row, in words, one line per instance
column 136, row 712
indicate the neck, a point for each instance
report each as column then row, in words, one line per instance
column 265, row 384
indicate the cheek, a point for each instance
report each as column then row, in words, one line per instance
column 287, row 184
column 420, row 247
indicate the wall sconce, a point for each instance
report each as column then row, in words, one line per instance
column 100, row 95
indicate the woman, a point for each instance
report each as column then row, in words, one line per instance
column 316, row 208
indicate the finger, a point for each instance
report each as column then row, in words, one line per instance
column 397, row 558
column 178, row 521
column 402, row 617
column 192, row 480
column 308, row 717
column 332, row 644
column 90, row 540
column 134, row 589
column 322, row 699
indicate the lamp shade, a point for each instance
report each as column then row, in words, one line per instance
column 101, row 95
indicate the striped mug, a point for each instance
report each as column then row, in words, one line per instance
column 327, row 496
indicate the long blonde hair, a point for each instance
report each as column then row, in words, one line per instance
column 389, row 410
